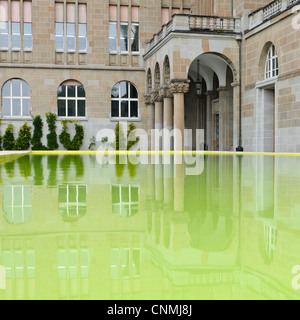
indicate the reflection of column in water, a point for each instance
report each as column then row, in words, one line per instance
column 168, row 183
column 178, row 185
column 159, row 182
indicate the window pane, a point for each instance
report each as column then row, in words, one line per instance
column 124, row 109
column 112, row 37
column 71, row 108
column 6, row 107
column 134, row 38
column 62, row 194
column 115, row 194
column 71, row 91
column 134, row 109
column 115, row 108
column 72, row 193
column 133, row 92
column 61, row 92
column 124, row 37
column 61, row 108
column 124, row 89
column 125, row 194
column 4, row 34
column 27, row 39
column 59, row 43
column 59, row 29
column 16, row 88
column 82, row 30
column 82, row 43
column 71, row 36
column 80, row 92
column 16, row 39
column 81, row 108
column 16, row 104
column 27, row 28
column 25, row 89
column 134, row 194
column 6, row 89
column 26, row 107
column 115, row 91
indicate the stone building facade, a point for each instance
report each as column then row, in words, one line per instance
column 160, row 64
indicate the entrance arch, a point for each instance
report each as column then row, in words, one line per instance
column 210, row 101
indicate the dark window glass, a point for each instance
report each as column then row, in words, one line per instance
column 61, row 108
column 133, row 92
column 61, row 92
column 115, row 108
column 80, row 92
column 134, row 109
column 124, row 109
column 71, row 108
column 81, row 108
column 71, row 91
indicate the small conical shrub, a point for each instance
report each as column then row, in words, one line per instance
column 24, row 138
column 8, row 138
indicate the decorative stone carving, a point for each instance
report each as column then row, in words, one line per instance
column 156, row 96
column 147, row 98
column 165, row 92
column 179, row 86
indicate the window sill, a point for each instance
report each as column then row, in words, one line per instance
column 72, row 118
column 4, row 49
column 27, row 50
column 113, row 52
column 125, row 119
column 135, row 53
column 71, row 51
column 15, row 49
column 17, row 118
column 124, row 53
column 82, row 51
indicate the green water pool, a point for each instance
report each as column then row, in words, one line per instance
column 71, row 228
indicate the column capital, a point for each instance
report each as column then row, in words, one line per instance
column 165, row 91
column 147, row 98
column 208, row 93
column 179, row 86
column 222, row 89
column 156, row 96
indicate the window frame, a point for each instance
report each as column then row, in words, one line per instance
column 76, row 99
column 271, row 65
column 11, row 97
column 129, row 100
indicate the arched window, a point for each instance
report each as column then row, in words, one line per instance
column 16, row 98
column 71, row 100
column 124, row 100
column 271, row 69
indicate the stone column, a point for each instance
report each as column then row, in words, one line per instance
column 224, row 129
column 209, row 124
column 178, row 88
column 151, row 117
column 167, row 118
column 157, row 99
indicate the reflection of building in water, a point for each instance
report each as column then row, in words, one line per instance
column 72, row 201
column 2, row 278
column 134, row 242
column 17, row 203
column 125, row 200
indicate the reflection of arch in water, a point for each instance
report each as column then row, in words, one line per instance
column 211, row 232
column 17, row 204
column 72, row 202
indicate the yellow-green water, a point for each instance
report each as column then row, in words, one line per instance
column 71, row 228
